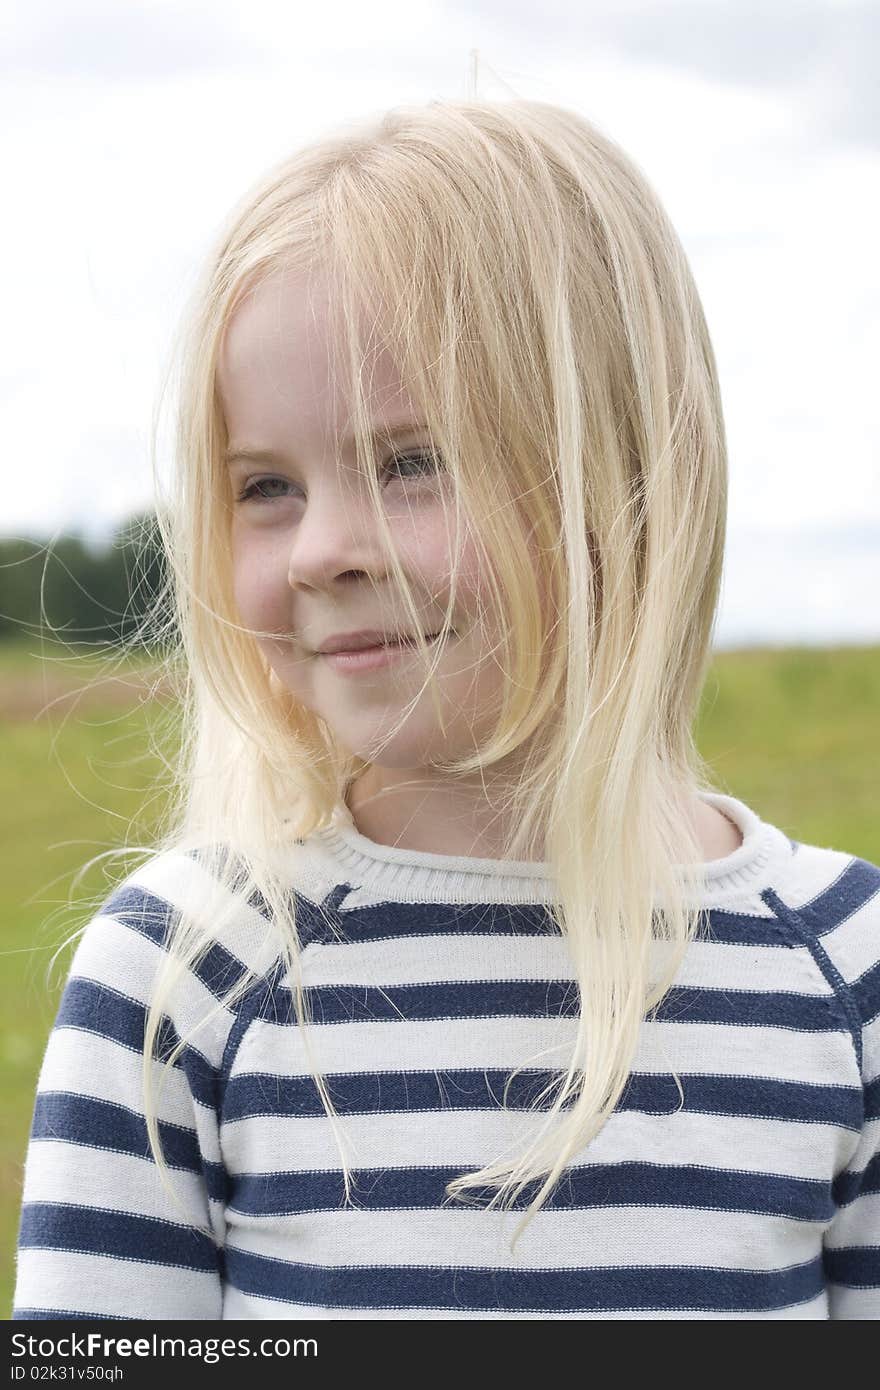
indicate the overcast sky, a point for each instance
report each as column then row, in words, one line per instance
column 129, row 130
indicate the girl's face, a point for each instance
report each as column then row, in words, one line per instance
column 305, row 546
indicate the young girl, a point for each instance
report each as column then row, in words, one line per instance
column 452, row 989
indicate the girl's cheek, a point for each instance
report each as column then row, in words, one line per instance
column 258, row 587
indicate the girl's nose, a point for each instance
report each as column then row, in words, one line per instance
column 333, row 539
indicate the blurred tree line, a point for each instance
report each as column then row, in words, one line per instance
column 70, row 591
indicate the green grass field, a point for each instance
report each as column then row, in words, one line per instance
column 793, row 732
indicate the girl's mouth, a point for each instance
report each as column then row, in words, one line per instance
column 373, row 658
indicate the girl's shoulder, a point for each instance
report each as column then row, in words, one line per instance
column 830, row 900
column 836, row 895
column 171, row 918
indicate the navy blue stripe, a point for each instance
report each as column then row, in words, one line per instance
column 844, row 1000
column 95, row 1008
column 390, row 1092
column 357, row 925
column 65, row 1314
column 101, row 1124
column 609, row 1288
column 250, row 1006
column 850, row 1185
column 153, row 917
column 493, row 998
column 855, row 886
column 854, row 1266
column 105, row 1125
column 688, row 1186
column 368, row 924
column 142, row 911
column 323, row 925
column 119, row 1234
column 314, row 921
column 872, row 1099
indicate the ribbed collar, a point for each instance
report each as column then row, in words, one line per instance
column 408, row 874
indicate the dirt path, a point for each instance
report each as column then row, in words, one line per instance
column 50, row 694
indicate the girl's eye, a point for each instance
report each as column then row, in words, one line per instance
column 254, row 489
column 426, row 462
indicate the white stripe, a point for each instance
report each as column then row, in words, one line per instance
column 849, row 1303
column 856, row 1223
column 854, row 944
column 467, row 1138
column 812, row 871
column 416, row 960
column 102, row 1285
column 86, row 1064
column 823, row 1058
column 234, row 924
column 594, row 1239
column 111, row 1181
column 123, row 960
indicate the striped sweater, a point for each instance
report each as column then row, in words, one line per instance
column 430, row 978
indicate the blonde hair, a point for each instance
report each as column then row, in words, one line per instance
column 542, row 311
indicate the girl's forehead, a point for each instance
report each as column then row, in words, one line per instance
column 283, row 370
column 290, row 315
column 278, row 326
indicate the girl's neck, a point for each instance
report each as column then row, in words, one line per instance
column 440, row 820
column 422, row 816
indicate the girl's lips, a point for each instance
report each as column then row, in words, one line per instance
column 371, row 658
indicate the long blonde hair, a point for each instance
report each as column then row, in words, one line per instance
column 541, row 309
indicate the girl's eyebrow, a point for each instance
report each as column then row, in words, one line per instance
column 245, row 453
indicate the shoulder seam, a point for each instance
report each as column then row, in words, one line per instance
column 247, row 1010
column 793, row 920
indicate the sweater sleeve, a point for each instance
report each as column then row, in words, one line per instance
column 851, row 1250
column 99, row 1235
